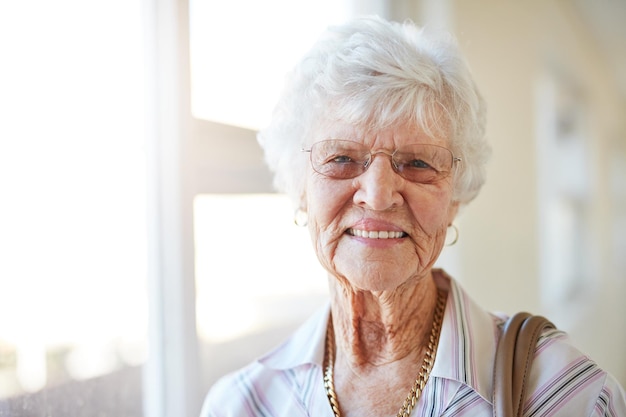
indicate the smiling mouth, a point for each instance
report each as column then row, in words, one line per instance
column 376, row 234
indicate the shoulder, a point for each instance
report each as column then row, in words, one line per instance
column 236, row 394
column 564, row 381
column 258, row 390
column 278, row 383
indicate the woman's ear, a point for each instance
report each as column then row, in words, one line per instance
column 301, row 217
column 302, row 203
column 453, row 210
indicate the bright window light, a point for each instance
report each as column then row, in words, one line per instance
column 72, row 217
column 241, row 50
column 252, row 265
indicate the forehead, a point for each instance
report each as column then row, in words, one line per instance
column 387, row 138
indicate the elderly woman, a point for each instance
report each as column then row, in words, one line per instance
column 379, row 139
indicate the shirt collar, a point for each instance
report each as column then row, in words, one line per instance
column 468, row 340
column 305, row 346
column 465, row 353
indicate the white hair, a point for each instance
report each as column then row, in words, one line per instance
column 375, row 74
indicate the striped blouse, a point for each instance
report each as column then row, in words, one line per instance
column 288, row 381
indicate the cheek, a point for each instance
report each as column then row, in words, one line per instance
column 433, row 212
column 325, row 201
column 325, row 204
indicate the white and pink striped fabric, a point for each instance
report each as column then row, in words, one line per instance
column 288, row 381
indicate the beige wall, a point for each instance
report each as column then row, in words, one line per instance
column 511, row 47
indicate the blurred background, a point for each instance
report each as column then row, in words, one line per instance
column 143, row 252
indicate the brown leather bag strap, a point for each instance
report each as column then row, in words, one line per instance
column 514, row 357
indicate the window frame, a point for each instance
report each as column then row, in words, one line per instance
column 186, row 157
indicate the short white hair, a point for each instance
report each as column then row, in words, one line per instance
column 374, row 74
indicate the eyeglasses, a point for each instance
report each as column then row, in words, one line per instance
column 345, row 159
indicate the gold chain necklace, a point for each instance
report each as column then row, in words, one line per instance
column 420, row 381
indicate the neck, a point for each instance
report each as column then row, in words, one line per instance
column 373, row 329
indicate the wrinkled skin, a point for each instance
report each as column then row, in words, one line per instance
column 382, row 290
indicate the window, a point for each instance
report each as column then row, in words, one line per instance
column 73, row 304
column 241, row 50
column 257, row 277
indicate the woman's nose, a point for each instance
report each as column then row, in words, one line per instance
column 378, row 188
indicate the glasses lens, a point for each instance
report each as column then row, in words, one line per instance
column 423, row 163
column 341, row 159
column 344, row 159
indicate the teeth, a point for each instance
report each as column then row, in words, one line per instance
column 376, row 234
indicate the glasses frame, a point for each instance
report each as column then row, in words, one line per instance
column 372, row 154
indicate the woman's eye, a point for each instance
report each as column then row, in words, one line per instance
column 341, row 159
column 418, row 163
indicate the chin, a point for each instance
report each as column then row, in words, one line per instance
column 375, row 282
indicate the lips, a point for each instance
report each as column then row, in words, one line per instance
column 376, row 234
